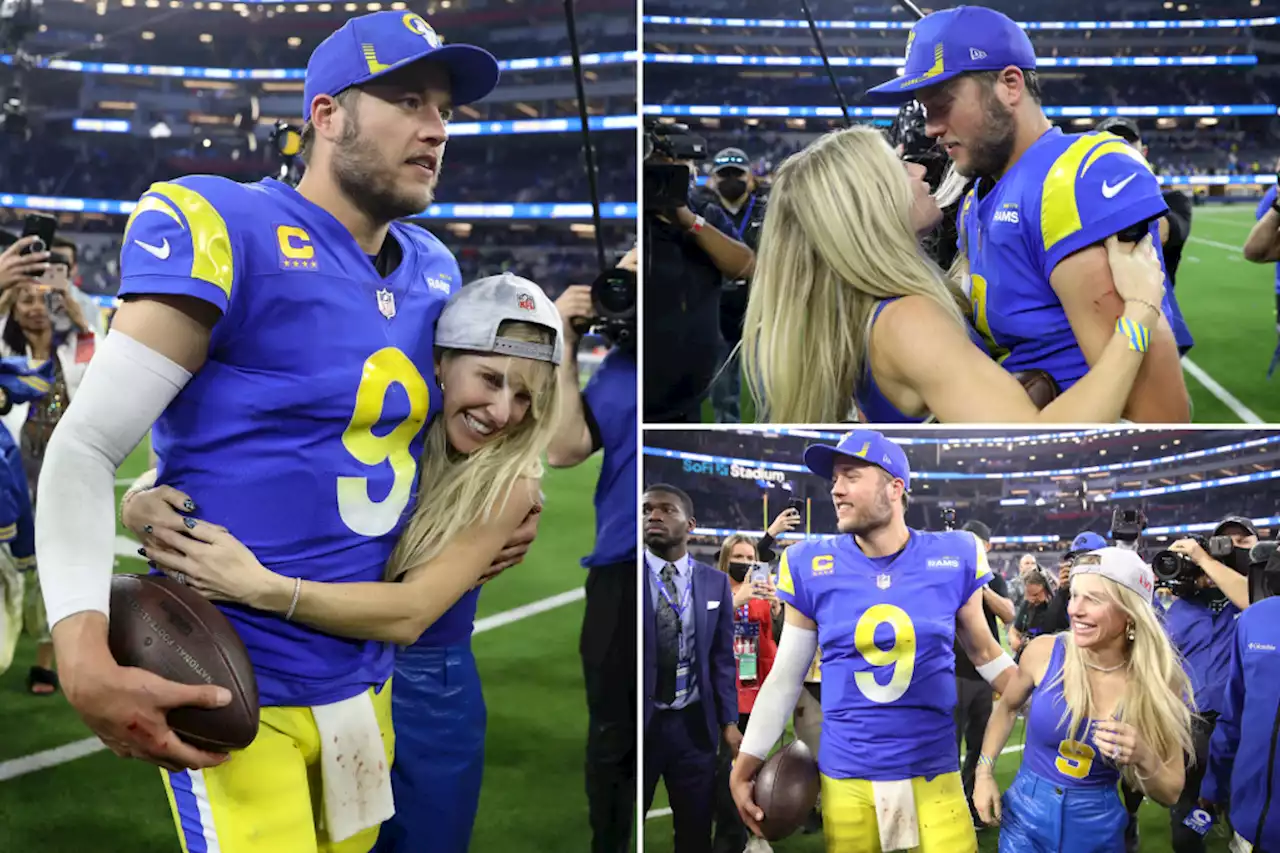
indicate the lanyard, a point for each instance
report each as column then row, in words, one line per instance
column 739, row 230
column 666, row 596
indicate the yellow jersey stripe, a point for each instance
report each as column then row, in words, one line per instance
column 785, row 583
column 210, row 240
column 1059, row 207
column 150, row 202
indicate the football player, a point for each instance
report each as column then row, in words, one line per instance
column 886, row 603
column 1033, row 226
column 280, row 341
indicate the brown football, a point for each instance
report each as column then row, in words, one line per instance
column 159, row 625
column 1039, row 385
column 786, row 790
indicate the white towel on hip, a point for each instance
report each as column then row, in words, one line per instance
column 353, row 767
column 896, row 815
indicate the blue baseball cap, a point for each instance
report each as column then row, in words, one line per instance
column 952, row 42
column 865, row 444
column 1088, row 541
column 367, row 47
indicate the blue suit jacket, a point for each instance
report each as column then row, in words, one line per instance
column 713, row 648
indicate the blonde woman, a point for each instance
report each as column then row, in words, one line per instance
column 499, row 341
column 846, row 310
column 1109, row 701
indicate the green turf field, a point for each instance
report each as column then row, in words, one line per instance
column 1229, row 304
column 533, row 797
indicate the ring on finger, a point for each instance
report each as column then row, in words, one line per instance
column 180, row 577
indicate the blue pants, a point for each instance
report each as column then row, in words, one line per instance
column 438, row 712
column 1038, row 816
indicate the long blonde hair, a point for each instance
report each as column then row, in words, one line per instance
column 456, row 490
column 1157, row 699
column 726, row 550
column 837, row 240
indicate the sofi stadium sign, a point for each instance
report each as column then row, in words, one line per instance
column 741, row 472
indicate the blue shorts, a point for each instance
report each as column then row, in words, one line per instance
column 1038, row 816
column 438, row 712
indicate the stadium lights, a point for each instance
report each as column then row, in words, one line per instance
column 160, row 130
column 294, row 41
column 147, row 35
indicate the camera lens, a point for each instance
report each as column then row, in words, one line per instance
column 1165, row 565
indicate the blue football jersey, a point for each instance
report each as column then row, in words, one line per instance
column 1066, row 193
column 1264, row 204
column 887, row 628
column 302, row 432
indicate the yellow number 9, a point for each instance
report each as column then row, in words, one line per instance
column 978, row 297
column 901, row 655
column 360, row 513
column 1075, row 759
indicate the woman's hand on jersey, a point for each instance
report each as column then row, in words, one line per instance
column 1136, row 272
column 986, row 797
column 742, row 784
column 785, row 522
column 157, row 508
column 1121, row 743
column 207, row 558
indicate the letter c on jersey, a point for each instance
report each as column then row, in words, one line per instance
column 296, row 251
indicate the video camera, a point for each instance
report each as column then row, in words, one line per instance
column 1126, row 527
column 666, row 178
column 1178, row 573
column 948, row 518
column 613, row 299
column 1264, row 571
column 908, row 131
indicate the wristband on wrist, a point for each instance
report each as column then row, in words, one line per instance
column 985, row 760
column 1138, row 335
column 698, row 223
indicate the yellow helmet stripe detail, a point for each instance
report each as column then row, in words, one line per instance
column 210, row 240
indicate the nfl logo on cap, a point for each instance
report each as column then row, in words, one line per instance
column 525, row 301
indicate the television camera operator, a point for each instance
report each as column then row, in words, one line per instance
column 1209, row 581
column 733, row 186
column 688, row 254
column 603, row 416
column 1243, row 774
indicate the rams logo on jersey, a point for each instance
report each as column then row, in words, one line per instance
column 296, row 250
column 944, row 563
column 1008, row 212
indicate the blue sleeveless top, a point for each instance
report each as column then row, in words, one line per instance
column 873, row 405
column 1049, row 754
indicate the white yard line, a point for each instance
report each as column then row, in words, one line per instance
column 1228, row 399
column 1239, row 250
column 16, row 767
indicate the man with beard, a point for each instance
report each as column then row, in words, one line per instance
column 690, row 673
column 886, row 604
column 1033, row 226
column 280, row 340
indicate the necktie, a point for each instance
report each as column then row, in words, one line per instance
column 668, row 638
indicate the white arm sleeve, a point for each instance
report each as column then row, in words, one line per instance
column 780, row 692
column 126, row 387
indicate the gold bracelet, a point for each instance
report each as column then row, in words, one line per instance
column 1147, row 304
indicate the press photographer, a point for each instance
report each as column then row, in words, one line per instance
column 1248, row 778
column 603, row 416
column 688, row 254
column 733, row 187
column 1210, row 584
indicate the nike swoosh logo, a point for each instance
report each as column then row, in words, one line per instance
column 162, row 251
column 1109, row 191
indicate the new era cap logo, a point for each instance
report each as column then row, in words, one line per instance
column 974, row 53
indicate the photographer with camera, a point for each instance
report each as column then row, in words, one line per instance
column 603, row 416
column 733, row 187
column 1246, row 779
column 1209, row 582
column 689, row 253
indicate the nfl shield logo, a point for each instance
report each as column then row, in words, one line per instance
column 882, row 581
column 525, row 301
column 387, row 303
